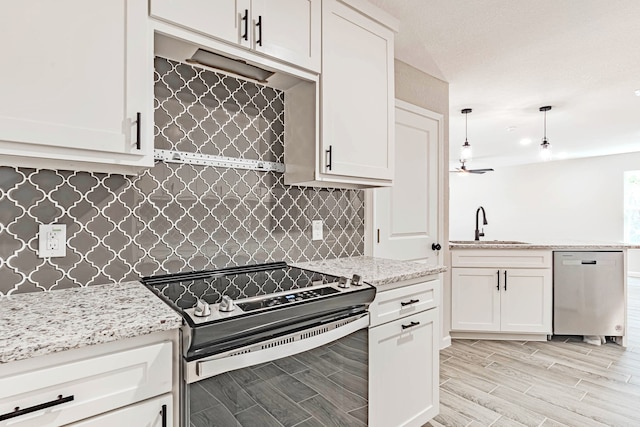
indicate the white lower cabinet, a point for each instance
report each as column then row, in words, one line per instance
column 404, row 357
column 157, row 412
column 94, row 385
column 505, row 300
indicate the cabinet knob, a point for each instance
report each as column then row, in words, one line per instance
column 436, row 246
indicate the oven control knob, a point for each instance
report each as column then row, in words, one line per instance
column 355, row 280
column 226, row 304
column 343, row 282
column 202, row 309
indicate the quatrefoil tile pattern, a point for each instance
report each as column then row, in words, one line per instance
column 177, row 217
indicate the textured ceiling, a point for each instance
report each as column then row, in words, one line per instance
column 506, row 58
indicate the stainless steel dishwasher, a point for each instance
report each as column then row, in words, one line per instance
column 588, row 293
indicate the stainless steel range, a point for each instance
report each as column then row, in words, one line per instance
column 271, row 344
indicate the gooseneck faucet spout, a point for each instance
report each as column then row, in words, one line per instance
column 484, row 222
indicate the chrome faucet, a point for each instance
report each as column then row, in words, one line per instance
column 484, row 222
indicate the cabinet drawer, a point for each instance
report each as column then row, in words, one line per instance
column 403, row 371
column 401, row 302
column 155, row 412
column 501, row 258
column 97, row 385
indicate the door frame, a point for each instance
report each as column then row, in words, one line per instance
column 444, row 257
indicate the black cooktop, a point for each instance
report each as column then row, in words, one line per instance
column 301, row 297
column 184, row 289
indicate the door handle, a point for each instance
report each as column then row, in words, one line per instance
column 329, row 152
column 505, row 280
column 498, row 280
column 163, row 414
column 259, row 26
column 138, row 125
column 245, row 19
column 436, row 246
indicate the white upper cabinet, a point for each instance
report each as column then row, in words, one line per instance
column 288, row 30
column 355, row 147
column 357, row 94
column 76, row 75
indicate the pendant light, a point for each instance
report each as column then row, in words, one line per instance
column 465, row 151
column 545, row 147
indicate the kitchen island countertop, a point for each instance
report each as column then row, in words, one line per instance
column 40, row 323
column 570, row 245
column 375, row 271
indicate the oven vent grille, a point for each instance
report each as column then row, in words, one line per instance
column 278, row 343
column 238, row 353
column 315, row 332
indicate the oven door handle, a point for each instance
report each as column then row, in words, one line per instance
column 277, row 348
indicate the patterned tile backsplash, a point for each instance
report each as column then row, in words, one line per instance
column 177, row 217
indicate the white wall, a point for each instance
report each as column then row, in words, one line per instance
column 578, row 199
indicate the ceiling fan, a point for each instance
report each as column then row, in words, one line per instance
column 463, row 169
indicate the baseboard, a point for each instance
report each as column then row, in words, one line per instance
column 498, row 336
column 446, row 342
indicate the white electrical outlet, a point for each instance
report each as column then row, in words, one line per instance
column 316, row 229
column 52, row 240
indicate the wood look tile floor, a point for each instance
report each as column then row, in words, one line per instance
column 563, row 382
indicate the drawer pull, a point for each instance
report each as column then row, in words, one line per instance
column 410, row 325
column 413, row 301
column 17, row 412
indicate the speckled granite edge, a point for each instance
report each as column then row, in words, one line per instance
column 376, row 271
column 550, row 246
column 40, row 323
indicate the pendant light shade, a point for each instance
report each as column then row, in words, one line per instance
column 465, row 151
column 545, row 147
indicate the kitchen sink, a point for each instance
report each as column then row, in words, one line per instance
column 490, row 242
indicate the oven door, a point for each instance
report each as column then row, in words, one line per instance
column 317, row 376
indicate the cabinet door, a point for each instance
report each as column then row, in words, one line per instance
column 403, row 370
column 526, row 300
column 357, row 94
column 229, row 20
column 288, row 30
column 475, row 299
column 76, row 73
column 157, row 412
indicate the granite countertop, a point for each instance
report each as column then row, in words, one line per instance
column 39, row 323
column 560, row 245
column 375, row 271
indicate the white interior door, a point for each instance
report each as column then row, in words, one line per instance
column 406, row 216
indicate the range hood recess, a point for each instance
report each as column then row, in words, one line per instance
column 233, row 66
column 183, row 51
